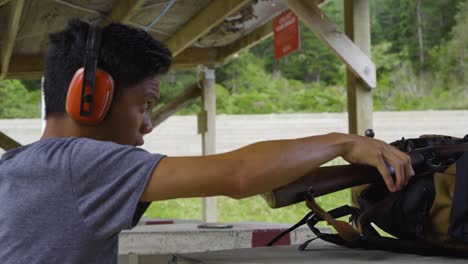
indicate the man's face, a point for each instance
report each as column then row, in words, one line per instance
column 129, row 117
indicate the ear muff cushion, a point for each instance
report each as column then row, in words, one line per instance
column 104, row 90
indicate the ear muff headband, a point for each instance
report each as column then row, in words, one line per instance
column 91, row 89
column 93, row 43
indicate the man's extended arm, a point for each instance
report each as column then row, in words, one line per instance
column 264, row 166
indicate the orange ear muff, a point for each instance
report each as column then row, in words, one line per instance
column 87, row 106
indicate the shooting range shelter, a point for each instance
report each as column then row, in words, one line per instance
column 199, row 32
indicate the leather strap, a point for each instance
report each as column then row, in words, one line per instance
column 345, row 230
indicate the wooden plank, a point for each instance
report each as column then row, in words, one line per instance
column 247, row 41
column 209, row 137
column 2, row 2
column 7, row 143
column 192, row 57
column 123, row 10
column 202, row 23
column 356, row 60
column 179, row 102
column 16, row 9
column 26, row 67
column 360, row 104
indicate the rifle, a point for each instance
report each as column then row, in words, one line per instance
column 429, row 154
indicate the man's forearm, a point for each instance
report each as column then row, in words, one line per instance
column 271, row 164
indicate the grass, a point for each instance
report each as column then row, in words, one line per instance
column 253, row 209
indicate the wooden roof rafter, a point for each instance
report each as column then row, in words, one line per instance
column 10, row 36
column 209, row 17
column 247, row 41
column 123, row 10
column 2, row 2
column 191, row 57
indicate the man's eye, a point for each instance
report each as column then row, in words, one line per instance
column 148, row 105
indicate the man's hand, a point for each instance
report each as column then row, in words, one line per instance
column 376, row 153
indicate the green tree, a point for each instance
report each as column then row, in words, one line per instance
column 313, row 62
column 414, row 29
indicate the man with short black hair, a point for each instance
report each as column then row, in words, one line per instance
column 66, row 197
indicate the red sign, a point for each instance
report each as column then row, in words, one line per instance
column 286, row 33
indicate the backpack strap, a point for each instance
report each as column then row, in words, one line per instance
column 459, row 214
column 394, row 244
column 373, row 241
column 289, row 230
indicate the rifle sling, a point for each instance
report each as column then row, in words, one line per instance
column 345, row 230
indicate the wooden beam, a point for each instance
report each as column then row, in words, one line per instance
column 2, row 2
column 247, row 41
column 123, row 10
column 191, row 57
column 202, row 23
column 16, row 9
column 26, row 67
column 7, row 143
column 179, row 102
column 356, row 60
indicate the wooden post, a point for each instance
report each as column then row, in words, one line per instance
column 207, row 127
column 43, row 112
column 360, row 105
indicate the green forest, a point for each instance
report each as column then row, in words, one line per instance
column 420, row 49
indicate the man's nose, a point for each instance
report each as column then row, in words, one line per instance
column 146, row 127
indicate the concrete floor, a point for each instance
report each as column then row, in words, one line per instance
column 317, row 252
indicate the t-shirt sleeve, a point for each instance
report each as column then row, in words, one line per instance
column 108, row 180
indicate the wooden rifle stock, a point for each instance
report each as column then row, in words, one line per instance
column 321, row 181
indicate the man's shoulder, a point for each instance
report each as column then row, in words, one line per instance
column 98, row 147
column 73, row 143
column 63, row 147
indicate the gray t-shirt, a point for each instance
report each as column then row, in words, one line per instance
column 65, row 200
